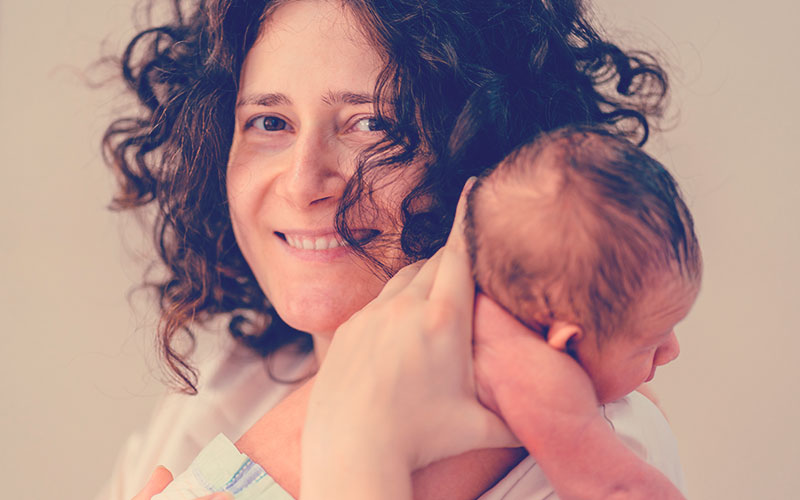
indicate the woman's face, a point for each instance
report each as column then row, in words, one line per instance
column 303, row 114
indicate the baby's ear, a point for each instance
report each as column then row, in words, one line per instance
column 561, row 333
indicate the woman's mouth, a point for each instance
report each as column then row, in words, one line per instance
column 311, row 243
column 323, row 244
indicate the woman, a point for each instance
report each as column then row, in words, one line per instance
column 300, row 153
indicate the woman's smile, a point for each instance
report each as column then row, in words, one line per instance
column 319, row 246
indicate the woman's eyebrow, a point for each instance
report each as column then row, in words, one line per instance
column 331, row 98
column 347, row 97
column 269, row 99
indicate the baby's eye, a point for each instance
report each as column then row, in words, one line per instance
column 268, row 123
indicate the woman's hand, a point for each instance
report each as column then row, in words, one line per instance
column 396, row 390
column 159, row 480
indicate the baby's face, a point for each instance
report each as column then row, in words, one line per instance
column 628, row 359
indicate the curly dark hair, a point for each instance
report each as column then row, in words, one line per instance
column 467, row 82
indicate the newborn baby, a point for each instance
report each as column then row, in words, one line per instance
column 585, row 239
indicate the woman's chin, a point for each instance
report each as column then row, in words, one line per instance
column 320, row 318
column 318, row 329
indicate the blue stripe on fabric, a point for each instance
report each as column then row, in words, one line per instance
column 249, row 473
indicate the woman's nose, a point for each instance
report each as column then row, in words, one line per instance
column 313, row 174
column 668, row 351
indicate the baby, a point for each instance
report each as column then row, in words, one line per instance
column 585, row 239
column 583, row 229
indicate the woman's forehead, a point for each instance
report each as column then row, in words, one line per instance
column 319, row 20
column 308, row 44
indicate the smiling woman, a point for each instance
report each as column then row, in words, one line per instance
column 243, row 84
column 296, row 139
column 301, row 153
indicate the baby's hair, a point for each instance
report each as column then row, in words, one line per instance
column 574, row 226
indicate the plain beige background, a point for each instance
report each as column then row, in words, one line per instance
column 74, row 376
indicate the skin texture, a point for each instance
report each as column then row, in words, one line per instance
column 365, row 415
column 293, row 149
column 364, row 410
column 549, row 402
column 275, row 443
column 622, row 363
column 536, row 210
column 297, row 135
column 294, row 144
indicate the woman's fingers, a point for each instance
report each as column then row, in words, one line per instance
column 159, row 480
column 420, row 286
column 456, row 238
column 414, row 278
column 418, row 278
column 400, row 280
column 453, row 280
column 401, row 372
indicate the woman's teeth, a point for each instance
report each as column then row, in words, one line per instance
column 323, row 243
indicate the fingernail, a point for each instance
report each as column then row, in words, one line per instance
column 468, row 185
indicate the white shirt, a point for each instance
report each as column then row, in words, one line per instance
column 235, row 390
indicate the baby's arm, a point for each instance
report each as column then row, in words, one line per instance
column 549, row 403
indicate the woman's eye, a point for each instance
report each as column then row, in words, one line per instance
column 269, row 123
column 368, row 124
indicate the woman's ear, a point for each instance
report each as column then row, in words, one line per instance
column 561, row 333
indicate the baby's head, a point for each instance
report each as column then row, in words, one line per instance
column 585, row 238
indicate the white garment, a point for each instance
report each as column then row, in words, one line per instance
column 222, row 467
column 236, row 390
column 637, row 422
